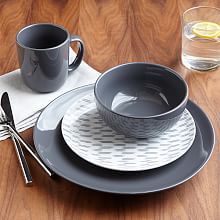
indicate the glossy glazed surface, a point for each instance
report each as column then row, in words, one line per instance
column 93, row 140
column 139, row 99
column 114, row 32
column 57, row 155
column 43, row 53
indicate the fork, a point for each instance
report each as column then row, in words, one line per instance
column 21, row 158
column 27, row 146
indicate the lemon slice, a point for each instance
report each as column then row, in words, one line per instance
column 206, row 29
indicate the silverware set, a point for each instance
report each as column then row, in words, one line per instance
column 7, row 123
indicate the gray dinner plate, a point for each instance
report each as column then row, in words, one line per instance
column 53, row 150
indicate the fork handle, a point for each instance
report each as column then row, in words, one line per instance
column 30, row 149
column 21, row 158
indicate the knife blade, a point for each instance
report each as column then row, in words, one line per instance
column 5, row 103
column 28, row 147
column 6, row 106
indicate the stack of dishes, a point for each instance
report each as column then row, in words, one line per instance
column 73, row 139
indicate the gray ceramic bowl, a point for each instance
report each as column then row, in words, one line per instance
column 140, row 99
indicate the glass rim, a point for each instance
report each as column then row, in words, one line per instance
column 200, row 7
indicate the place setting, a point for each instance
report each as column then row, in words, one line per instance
column 129, row 130
column 78, row 145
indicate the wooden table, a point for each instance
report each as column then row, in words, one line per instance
column 114, row 32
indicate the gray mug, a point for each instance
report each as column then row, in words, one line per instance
column 43, row 53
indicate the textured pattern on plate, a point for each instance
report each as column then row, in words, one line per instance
column 89, row 137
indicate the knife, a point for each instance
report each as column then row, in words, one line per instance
column 21, row 158
column 6, row 103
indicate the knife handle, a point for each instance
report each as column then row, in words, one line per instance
column 30, row 149
column 23, row 163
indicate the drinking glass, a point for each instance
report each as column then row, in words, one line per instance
column 201, row 38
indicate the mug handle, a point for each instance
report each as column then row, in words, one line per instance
column 79, row 56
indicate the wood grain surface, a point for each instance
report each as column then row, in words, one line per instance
column 114, row 31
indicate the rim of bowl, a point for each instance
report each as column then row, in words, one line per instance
column 143, row 117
